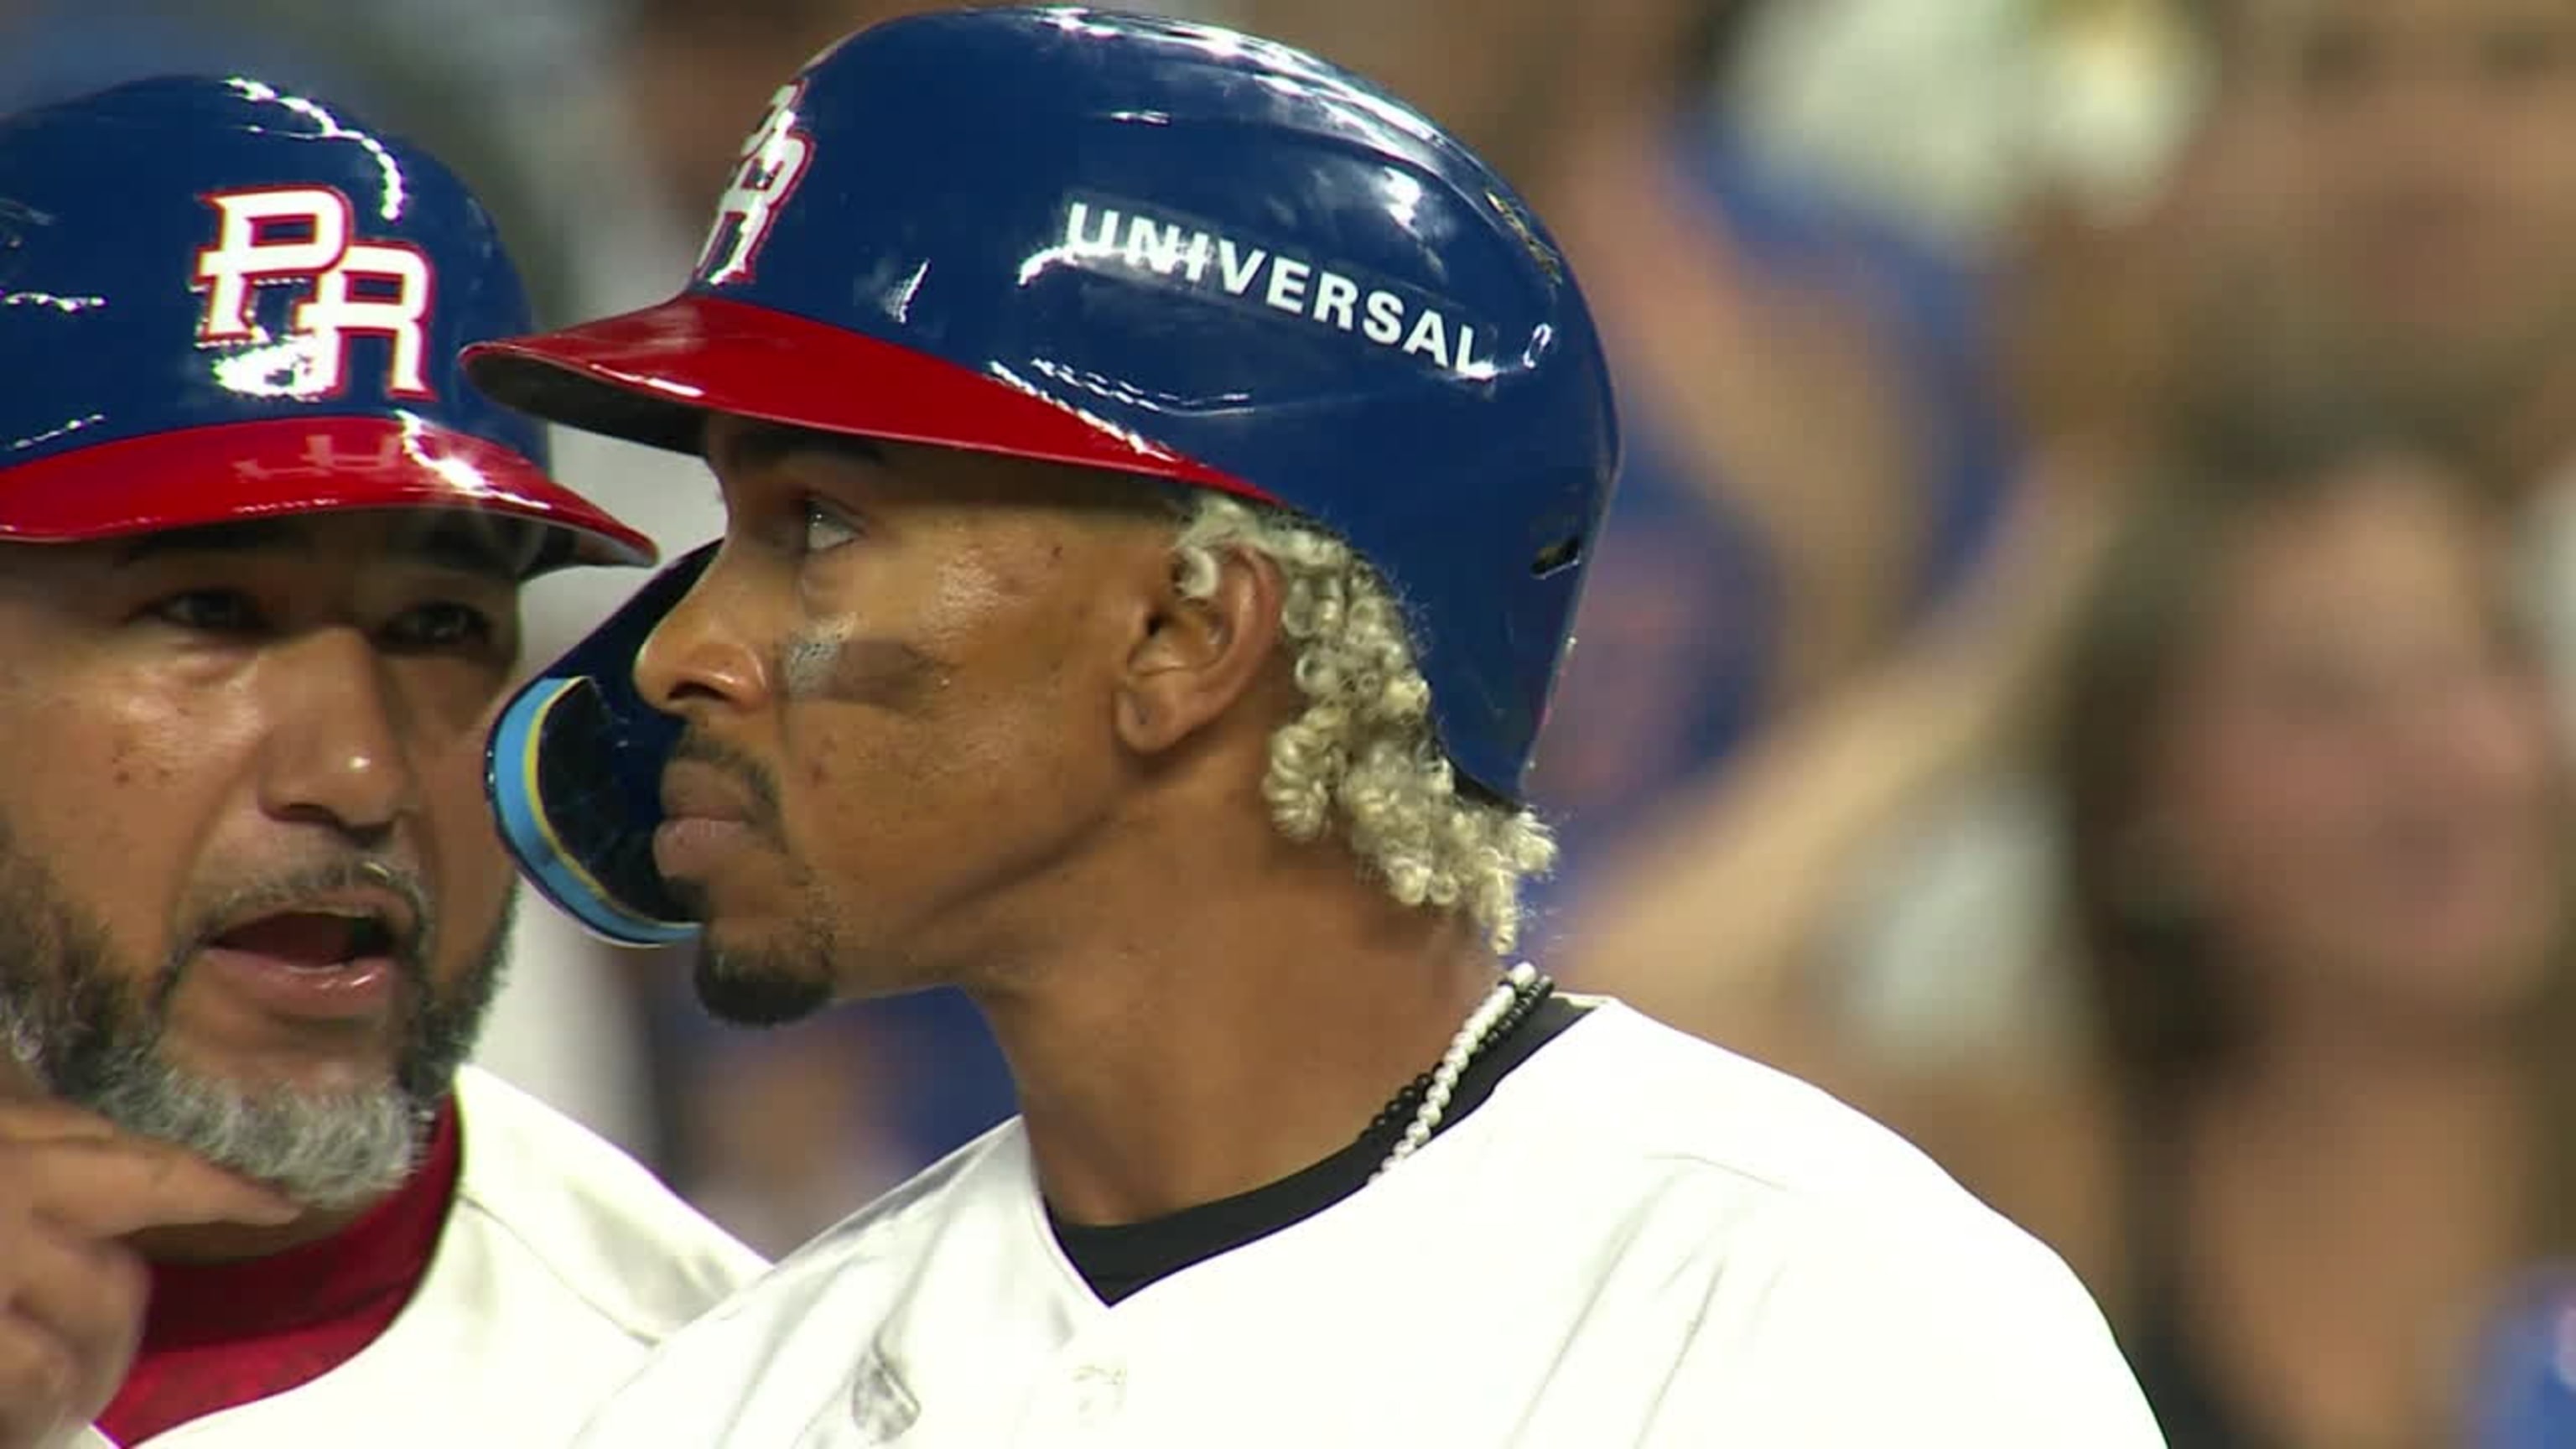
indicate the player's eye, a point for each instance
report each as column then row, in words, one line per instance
column 443, row 628
column 826, row 527
column 2338, row 66
column 2523, row 52
column 210, row 611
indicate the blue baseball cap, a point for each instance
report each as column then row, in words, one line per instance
column 220, row 301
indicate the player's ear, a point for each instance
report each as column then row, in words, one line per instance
column 1200, row 644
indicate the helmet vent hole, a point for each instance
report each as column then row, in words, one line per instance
column 1556, row 555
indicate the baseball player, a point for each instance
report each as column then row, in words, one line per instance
column 260, row 557
column 1159, row 470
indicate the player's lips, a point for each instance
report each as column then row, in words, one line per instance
column 703, row 820
column 330, row 957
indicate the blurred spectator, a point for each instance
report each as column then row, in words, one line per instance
column 1961, row 115
column 2416, row 238
column 2318, row 875
column 2378, row 204
column 2300, row 1219
column 2416, row 242
column 2320, row 1105
column 1814, row 447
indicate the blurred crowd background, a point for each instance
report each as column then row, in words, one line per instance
column 2079, row 664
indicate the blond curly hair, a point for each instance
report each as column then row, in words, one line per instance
column 1362, row 754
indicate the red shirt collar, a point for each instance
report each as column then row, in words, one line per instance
column 382, row 1254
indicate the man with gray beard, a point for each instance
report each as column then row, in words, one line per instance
column 261, row 553
column 95, row 1030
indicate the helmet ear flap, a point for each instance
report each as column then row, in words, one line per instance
column 573, row 769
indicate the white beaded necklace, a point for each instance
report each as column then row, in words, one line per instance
column 1462, row 1050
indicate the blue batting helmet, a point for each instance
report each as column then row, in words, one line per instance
column 221, row 302
column 1130, row 243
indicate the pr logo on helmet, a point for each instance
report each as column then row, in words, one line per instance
column 773, row 160
column 305, row 235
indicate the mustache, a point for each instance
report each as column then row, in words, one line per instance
column 759, row 786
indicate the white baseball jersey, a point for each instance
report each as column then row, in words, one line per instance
column 1640, row 1239
column 561, row 1264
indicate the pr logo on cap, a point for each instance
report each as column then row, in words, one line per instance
column 357, row 288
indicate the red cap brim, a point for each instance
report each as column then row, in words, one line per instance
column 652, row 376
column 232, row 472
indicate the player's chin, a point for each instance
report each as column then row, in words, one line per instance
column 753, row 978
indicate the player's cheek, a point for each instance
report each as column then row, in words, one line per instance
column 127, row 815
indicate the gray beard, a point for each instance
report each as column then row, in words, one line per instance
column 92, row 1033
column 325, row 1150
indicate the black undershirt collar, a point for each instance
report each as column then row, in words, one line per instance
column 1118, row 1261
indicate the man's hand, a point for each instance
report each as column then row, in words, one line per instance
column 71, row 1292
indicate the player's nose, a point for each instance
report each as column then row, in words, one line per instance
column 699, row 656
column 337, row 754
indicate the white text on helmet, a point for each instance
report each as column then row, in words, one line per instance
column 1289, row 284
